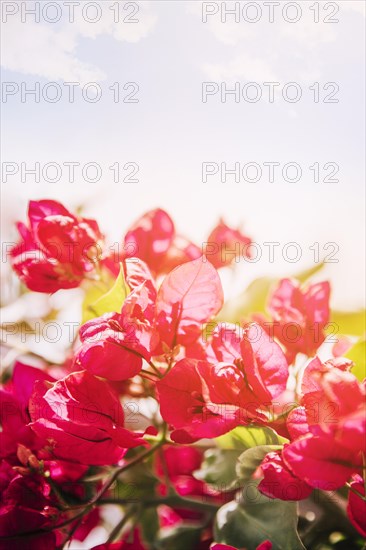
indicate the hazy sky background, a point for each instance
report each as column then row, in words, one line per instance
column 170, row 131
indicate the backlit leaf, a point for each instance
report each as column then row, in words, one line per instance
column 96, row 303
column 357, row 354
column 246, row 437
column 256, row 519
column 250, row 459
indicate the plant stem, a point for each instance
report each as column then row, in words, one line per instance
column 355, row 492
column 113, row 478
column 118, row 528
column 146, row 374
column 171, row 500
column 126, row 467
column 88, row 506
column 155, row 369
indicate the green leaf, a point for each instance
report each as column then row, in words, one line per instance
column 93, row 291
column 96, row 303
column 149, row 522
column 127, row 491
column 136, row 483
column 256, row 519
column 252, row 300
column 255, row 298
column 349, row 323
column 357, row 354
column 243, row 438
column 219, row 468
column 250, row 459
column 303, row 276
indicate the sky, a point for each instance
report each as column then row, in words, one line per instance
column 160, row 72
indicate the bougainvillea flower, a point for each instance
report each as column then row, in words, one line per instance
column 150, row 237
column 219, row 546
column 333, row 410
column 137, row 275
column 90, row 521
column 63, row 440
column 189, row 296
column 64, row 472
column 153, row 238
column 225, row 342
column 253, row 380
column 57, row 250
column 17, row 522
column 335, row 403
column 204, row 399
column 24, row 508
column 265, row 545
column 182, row 404
column 356, row 507
column 296, row 422
column 82, row 420
column 225, row 385
column 300, row 316
column 279, row 482
column 112, row 348
column 115, row 344
column 321, row 462
column 311, row 378
column 265, row 365
column 23, row 378
column 181, row 251
column 224, row 245
column 14, row 415
column 179, row 463
column 139, row 306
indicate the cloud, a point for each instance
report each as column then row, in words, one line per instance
column 124, row 29
column 36, row 49
column 354, row 5
column 50, row 51
column 233, row 32
column 243, row 66
column 229, row 33
column 264, row 51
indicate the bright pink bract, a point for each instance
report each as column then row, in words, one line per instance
column 199, row 425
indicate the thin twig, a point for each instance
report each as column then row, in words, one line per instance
column 118, row 528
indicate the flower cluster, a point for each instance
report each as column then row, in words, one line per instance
column 58, row 250
column 202, row 431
